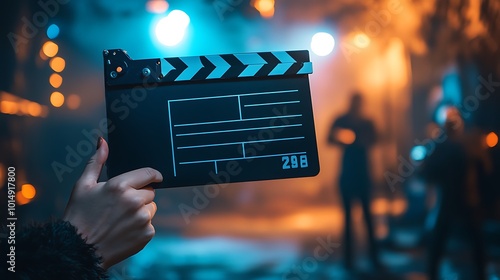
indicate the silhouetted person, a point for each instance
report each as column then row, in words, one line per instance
column 356, row 134
column 453, row 169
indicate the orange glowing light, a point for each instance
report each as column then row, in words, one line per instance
column 34, row 109
column 73, row 101
column 491, row 139
column 23, row 107
column 28, row 191
column 157, row 6
column 361, row 40
column 20, row 199
column 380, row 206
column 57, row 64
column 303, row 221
column 50, row 49
column 57, row 99
column 345, row 136
column 9, row 107
column 398, row 207
column 265, row 7
column 55, row 80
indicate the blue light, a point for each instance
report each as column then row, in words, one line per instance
column 418, row 153
column 53, row 31
column 441, row 114
column 171, row 29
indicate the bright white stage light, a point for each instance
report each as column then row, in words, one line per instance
column 171, row 29
column 322, row 43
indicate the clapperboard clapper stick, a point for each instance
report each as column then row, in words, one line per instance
column 212, row 119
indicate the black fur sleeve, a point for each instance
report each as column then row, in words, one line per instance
column 53, row 250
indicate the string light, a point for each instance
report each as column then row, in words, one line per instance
column 57, row 99
column 14, row 105
column 55, row 80
column 57, row 64
column 50, row 49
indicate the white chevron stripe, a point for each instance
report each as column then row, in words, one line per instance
column 250, row 58
column 166, row 67
column 284, row 57
column 194, row 65
column 306, row 69
column 221, row 66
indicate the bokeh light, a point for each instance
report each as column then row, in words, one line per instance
column 57, row 99
column 20, row 199
column 8, row 107
column 34, row 109
column 345, row 136
column 57, row 64
column 157, row 6
column 441, row 114
column 322, row 43
column 380, row 206
column 361, row 40
column 265, row 7
column 28, row 191
column 399, row 206
column 418, row 153
column 73, row 101
column 55, row 80
column 53, row 31
column 171, row 29
column 491, row 139
column 50, row 49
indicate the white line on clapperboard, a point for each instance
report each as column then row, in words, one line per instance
column 244, row 120
column 221, row 96
column 236, row 130
column 273, row 103
column 239, row 143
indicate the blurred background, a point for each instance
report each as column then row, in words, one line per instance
column 412, row 60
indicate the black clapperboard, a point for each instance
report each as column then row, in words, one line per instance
column 212, row 119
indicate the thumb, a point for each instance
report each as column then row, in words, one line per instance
column 94, row 166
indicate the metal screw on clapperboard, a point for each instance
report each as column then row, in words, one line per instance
column 146, row 72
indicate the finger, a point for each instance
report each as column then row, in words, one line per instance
column 94, row 166
column 138, row 178
column 147, row 194
column 152, row 208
